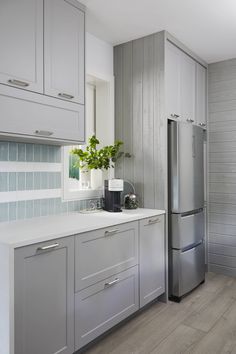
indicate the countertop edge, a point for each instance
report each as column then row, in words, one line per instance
column 53, row 235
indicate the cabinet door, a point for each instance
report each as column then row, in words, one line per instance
column 44, row 298
column 21, row 43
column 200, row 95
column 28, row 115
column 187, row 90
column 172, row 81
column 64, row 50
column 152, row 259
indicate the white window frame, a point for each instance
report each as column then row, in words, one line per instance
column 104, row 117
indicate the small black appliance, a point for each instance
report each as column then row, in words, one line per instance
column 113, row 188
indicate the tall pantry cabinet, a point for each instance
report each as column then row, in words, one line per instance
column 156, row 78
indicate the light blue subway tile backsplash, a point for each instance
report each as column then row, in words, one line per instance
column 32, row 180
column 12, row 181
column 4, row 151
column 21, row 152
column 39, row 207
column 3, row 181
column 11, row 151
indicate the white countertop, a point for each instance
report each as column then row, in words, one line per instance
column 26, row 232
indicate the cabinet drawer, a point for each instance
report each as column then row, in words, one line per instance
column 102, row 253
column 34, row 116
column 105, row 304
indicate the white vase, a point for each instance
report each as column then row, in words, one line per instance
column 85, row 178
column 96, row 179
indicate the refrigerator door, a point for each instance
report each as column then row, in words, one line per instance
column 188, row 270
column 187, row 229
column 186, row 167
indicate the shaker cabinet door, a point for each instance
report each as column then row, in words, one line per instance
column 21, row 43
column 172, row 80
column 187, row 88
column 64, row 50
column 152, row 259
column 44, row 298
column 200, row 95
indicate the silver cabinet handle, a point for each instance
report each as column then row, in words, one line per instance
column 43, row 132
column 190, row 120
column 18, row 83
column 153, row 221
column 49, row 247
column 65, row 95
column 202, row 124
column 111, row 283
column 174, row 115
column 111, row 232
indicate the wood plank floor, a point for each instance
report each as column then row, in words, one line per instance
column 203, row 323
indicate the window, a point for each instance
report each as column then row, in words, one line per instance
column 99, row 121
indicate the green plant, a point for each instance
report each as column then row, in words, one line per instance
column 94, row 158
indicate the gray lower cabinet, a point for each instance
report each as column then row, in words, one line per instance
column 104, row 304
column 102, row 253
column 44, row 298
column 151, row 259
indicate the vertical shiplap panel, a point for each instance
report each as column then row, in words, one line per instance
column 148, row 122
column 138, row 118
column 128, row 109
column 118, row 72
column 222, row 162
column 160, row 125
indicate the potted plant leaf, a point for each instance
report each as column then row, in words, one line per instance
column 94, row 159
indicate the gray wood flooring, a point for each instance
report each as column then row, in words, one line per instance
column 203, row 323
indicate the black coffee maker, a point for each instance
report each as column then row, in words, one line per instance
column 113, row 188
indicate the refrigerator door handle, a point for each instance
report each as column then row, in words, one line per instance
column 194, row 146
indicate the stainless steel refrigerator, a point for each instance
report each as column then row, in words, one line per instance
column 186, row 203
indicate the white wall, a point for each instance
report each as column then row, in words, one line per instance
column 99, row 57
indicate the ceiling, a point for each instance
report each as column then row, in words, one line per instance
column 207, row 27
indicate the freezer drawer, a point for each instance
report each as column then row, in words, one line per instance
column 186, row 229
column 188, row 269
column 186, row 167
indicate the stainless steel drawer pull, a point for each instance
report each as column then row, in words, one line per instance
column 18, row 83
column 43, row 132
column 190, row 120
column 111, row 232
column 174, row 115
column 49, row 247
column 107, row 285
column 153, row 221
column 65, row 95
column 202, row 124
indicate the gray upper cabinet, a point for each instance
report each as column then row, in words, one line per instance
column 44, row 298
column 201, row 81
column 151, row 259
column 42, row 51
column 64, row 50
column 172, row 81
column 21, row 43
column 187, row 88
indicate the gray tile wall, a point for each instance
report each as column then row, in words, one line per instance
column 23, row 181
column 222, row 167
